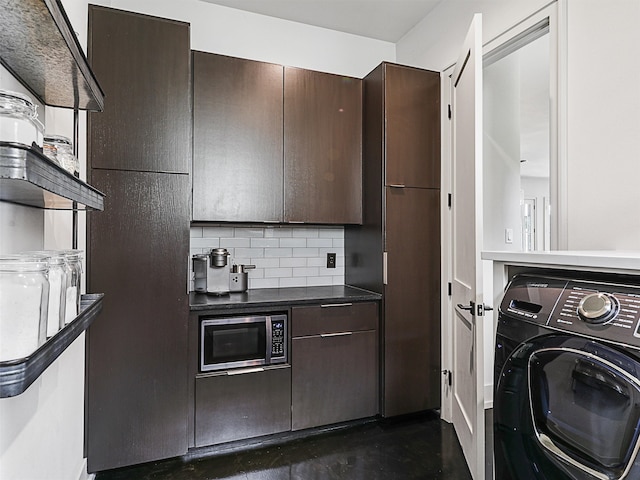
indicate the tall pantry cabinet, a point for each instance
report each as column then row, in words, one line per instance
column 139, row 156
column 396, row 251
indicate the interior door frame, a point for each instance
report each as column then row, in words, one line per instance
column 556, row 15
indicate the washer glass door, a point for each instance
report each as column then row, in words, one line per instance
column 585, row 406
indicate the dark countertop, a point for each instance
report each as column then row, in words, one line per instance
column 269, row 297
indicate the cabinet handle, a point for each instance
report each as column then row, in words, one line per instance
column 330, row 305
column 397, row 185
column 340, row 334
column 384, row 268
column 245, row 370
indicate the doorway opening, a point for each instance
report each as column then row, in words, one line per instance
column 517, row 151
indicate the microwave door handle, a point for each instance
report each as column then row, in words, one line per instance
column 269, row 335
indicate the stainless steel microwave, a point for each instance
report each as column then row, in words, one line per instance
column 232, row 342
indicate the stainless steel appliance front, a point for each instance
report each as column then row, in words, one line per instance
column 233, row 342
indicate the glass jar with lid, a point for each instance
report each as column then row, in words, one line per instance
column 59, row 276
column 24, row 300
column 73, row 260
column 63, row 152
column 19, row 120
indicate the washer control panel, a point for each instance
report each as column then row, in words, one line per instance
column 605, row 310
column 601, row 310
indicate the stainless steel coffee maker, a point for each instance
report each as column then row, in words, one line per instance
column 211, row 272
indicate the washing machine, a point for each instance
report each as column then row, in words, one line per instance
column 567, row 379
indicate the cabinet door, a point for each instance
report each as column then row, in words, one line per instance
column 235, row 407
column 412, row 301
column 322, row 147
column 143, row 64
column 237, row 139
column 137, row 353
column 412, row 117
column 334, row 378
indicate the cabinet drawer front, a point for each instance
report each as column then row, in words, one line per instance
column 334, row 379
column 333, row 317
column 234, row 407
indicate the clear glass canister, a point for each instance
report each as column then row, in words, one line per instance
column 64, row 152
column 59, row 276
column 24, row 299
column 19, row 119
column 73, row 259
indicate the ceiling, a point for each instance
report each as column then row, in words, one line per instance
column 387, row 20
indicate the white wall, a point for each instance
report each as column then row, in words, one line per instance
column 229, row 31
column 42, row 430
column 21, row 228
column 501, row 155
column 603, row 125
column 434, row 43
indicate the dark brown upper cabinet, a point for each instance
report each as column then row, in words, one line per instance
column 143, row 66
column 412, row 119
column 237, row 139
column 322, row 148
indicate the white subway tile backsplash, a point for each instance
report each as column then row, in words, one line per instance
column 293, row 262
column 331, row 233
column 320, row 242
column 305, row 272
column 248, row 253
column 317, row 261
column 293, row 282
column 274, row 262
column 322, row 252
column 205, row 243
column 319, row 281
column 277, row 272
column 249, row 232
column 278, row 232
column 305, row 232
column 285, row 256
column 256, row 273
column 293, row 242
column 266, row 242
column 305, row 252
column 277, row 252
column 235, row 242
column 217, row 232
column 264, row 283
column 331, row 271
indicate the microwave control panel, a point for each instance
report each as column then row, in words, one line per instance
column 278, row 337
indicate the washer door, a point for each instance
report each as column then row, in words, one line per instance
column 567, row 408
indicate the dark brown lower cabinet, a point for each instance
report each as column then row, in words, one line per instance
column 242, row 405
column 411, row 349
column 137, row 354
column 334, row 364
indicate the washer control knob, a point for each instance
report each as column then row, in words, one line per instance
column 597, row 308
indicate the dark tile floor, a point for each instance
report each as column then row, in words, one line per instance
column 422, row 447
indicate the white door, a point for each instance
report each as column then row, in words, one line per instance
column 467, row 327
